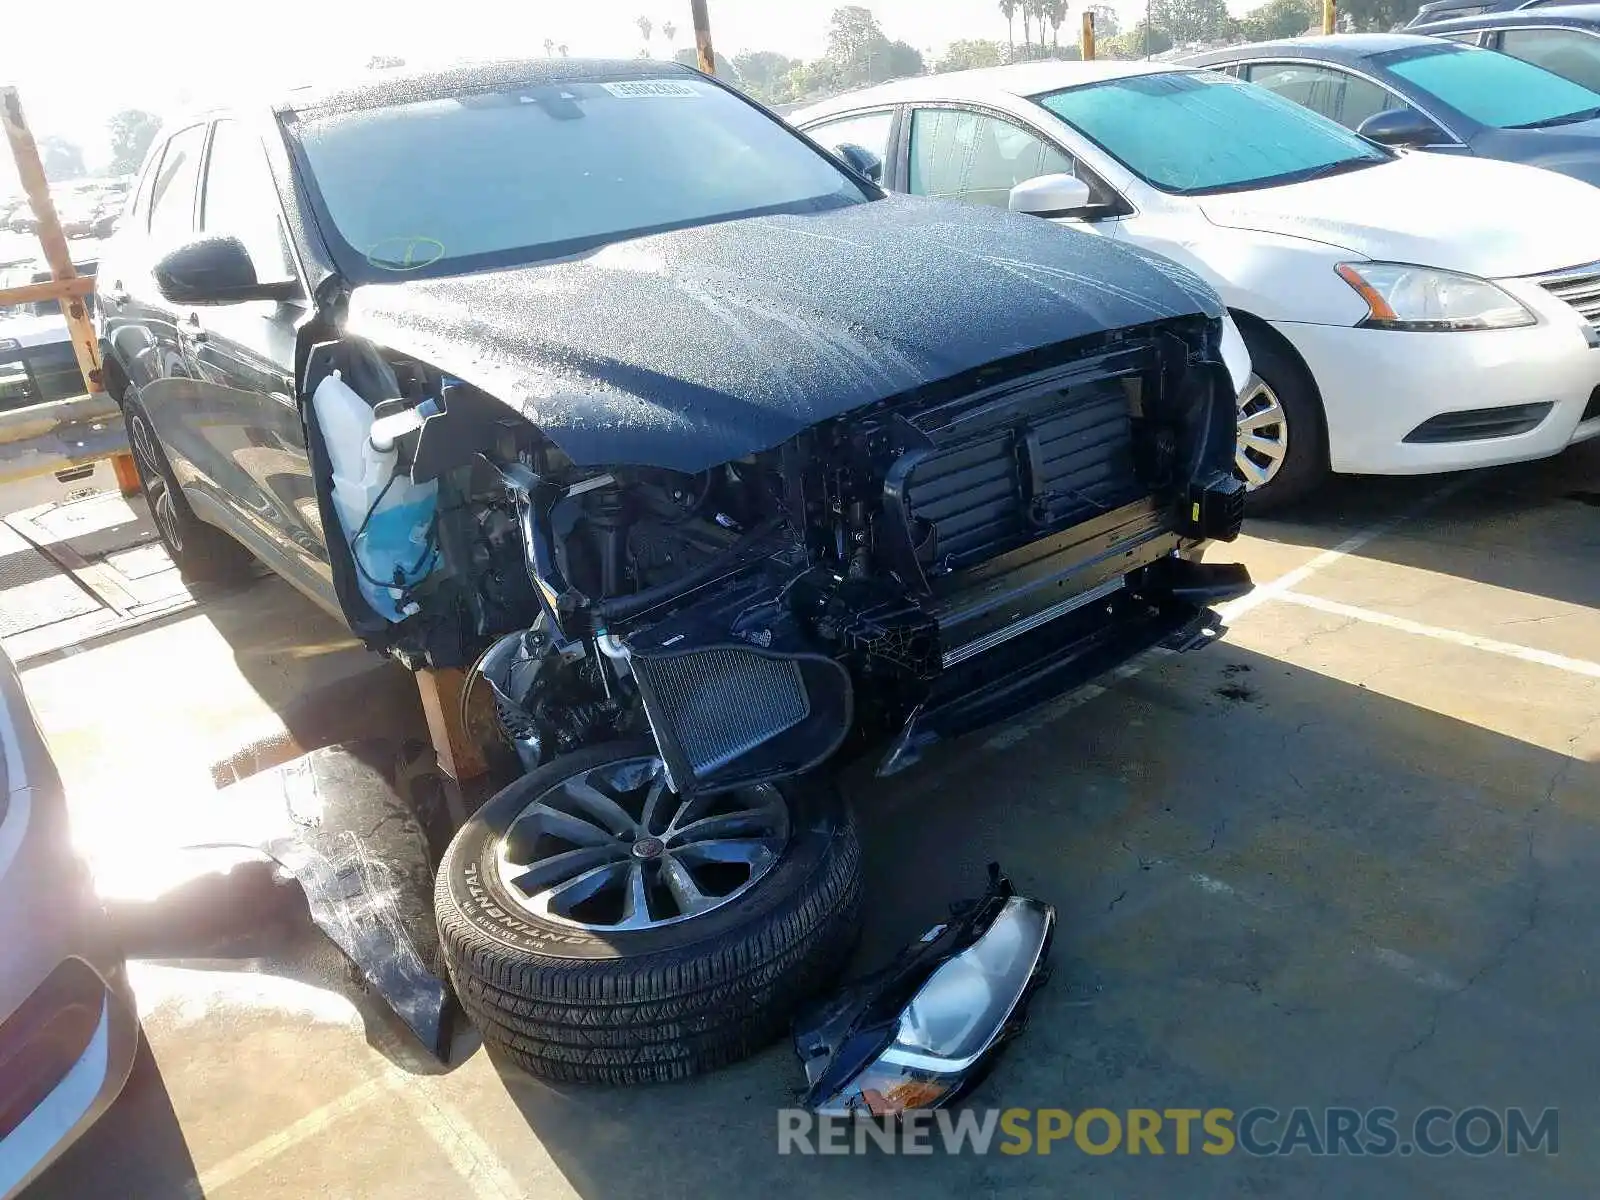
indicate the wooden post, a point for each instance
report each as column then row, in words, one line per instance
column 51, row 240
column 1087, row 45
column 122, row 466
column 441, row 705
column 702, row 36
column 53, row 244
column 1329, row 16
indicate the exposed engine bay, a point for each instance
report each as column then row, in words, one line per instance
column 915, row 568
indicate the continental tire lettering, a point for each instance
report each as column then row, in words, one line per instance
column 486, row 907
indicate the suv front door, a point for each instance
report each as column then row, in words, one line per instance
column 244, row 355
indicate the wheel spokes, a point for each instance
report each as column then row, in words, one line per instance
column 755, row 853
column 564, row 897
column 635, row 899
column 569, row 827
column 1265, row 418
column 550, row 872
column 1254, row 473
column 609, row 870
column 599, row 807
column 685, row 892
column 767, row 817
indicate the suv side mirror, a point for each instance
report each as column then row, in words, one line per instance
column 1400, row 127
column 1051, row 196
column 215, row 270
column 863, row 160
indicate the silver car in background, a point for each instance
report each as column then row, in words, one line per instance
column 68, row 1026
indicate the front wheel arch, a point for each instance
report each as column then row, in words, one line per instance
column 1297, row 390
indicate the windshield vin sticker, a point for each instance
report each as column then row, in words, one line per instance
column 637, row 89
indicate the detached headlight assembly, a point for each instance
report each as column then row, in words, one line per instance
column 922, row 1031
column 1423, row 300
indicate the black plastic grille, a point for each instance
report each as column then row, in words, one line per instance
column 720, row 703
column 988, row 493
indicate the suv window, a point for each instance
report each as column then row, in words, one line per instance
column 172, row 198
column 240, row 199
column 961, row 155
column 1566, row 52
column 870, row 131
column 1337, row 95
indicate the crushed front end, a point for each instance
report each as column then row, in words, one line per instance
column 908, row 572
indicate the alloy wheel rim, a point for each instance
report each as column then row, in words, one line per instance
column 615, row 848
column 163, row 507
column 1262, row 444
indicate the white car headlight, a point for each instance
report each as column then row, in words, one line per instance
column 1422, row 299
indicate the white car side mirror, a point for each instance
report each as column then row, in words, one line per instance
column 1050, row 196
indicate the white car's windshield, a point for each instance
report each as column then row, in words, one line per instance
column 518, row 175
column 1195, row 132
column 1492, row 88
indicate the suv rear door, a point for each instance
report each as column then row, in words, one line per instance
column 142, row 327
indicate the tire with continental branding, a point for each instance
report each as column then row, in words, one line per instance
column 600, row 928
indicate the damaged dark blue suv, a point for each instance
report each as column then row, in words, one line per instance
column 706, row 458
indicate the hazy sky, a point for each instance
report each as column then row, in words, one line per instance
column 161, row 54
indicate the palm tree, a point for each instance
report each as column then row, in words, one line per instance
column 549, row 47
column 645, row 26
column 1027, row 34
column 562, row 49
column 1008, row 9
column 1056, row 10
column 670, row 32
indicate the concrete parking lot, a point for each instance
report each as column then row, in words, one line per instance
column 1345, row 858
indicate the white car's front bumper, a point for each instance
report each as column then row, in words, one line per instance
column 1378, row 386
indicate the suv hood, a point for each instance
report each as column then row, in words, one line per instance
column 1435, row 210
column 1570, row 149
column 695, row 347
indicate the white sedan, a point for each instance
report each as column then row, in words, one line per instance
column 1405, row 313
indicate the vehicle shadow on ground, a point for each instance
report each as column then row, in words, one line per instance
column 1252, row 912
column 138, row 1138
column 1530, row 527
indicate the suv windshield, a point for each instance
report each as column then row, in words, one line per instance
column 447, row 185
column 1492, row 88
column 1196, row 133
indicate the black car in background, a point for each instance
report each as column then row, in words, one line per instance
column 1444, row 10
column 1564, row 39
column 716, row 460
column 1407, row 90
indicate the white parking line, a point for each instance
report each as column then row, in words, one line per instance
column 472, row 1157
column 1574, row 666
column 1235, row 609
column 236, row 1166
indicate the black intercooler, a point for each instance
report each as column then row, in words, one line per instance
column 721, row 703
column 727, row 711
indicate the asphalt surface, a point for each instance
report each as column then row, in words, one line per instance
column 1346, row 858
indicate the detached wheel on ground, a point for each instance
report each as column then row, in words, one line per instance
column 1282, row 452
column 600, row 928
column 201, row 552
